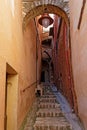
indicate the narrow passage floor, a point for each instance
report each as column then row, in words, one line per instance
column 51, row 112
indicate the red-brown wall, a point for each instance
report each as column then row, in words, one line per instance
column 61, row 58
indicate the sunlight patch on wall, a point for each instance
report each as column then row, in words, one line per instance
column 12, row 6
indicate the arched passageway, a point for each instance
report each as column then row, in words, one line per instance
column 22, row 45
column 61, row 52
column 41, row 10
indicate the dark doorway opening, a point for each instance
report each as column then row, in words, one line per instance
column 43, row 76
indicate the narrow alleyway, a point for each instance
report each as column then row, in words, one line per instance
column 51, row 112
column 43, row 64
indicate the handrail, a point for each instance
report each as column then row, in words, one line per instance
column 29, row 86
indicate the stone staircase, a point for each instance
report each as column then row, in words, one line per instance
column 49, row 115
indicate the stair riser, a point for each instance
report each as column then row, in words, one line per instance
column 49, row 106
column 52, row 128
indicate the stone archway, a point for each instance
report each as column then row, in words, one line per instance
column 42, row 9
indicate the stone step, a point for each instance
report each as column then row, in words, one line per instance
column 55, row 127
column 52, row 123
column 46, row 114
column 47, row 93
column 51, row 113
column 48, row 105
column 48, row 100
column 48, row 96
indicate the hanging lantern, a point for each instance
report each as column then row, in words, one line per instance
column 45, row 20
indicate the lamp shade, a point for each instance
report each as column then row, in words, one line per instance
column 45, row 20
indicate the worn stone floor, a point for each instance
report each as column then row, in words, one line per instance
column 31, row 116
column 51, row 112
column 68, row 112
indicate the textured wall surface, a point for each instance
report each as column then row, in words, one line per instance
column 2, row 92
column 18, row 49
column 62, row 66
column 79, row 56
column 29, row 75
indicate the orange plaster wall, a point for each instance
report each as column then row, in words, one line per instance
column 27, row 97
column 79, row 56
column 2, row 92
column 18, row 49
column 39, row 48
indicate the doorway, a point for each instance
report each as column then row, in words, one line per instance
column 11, row 98
column 43, row 76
